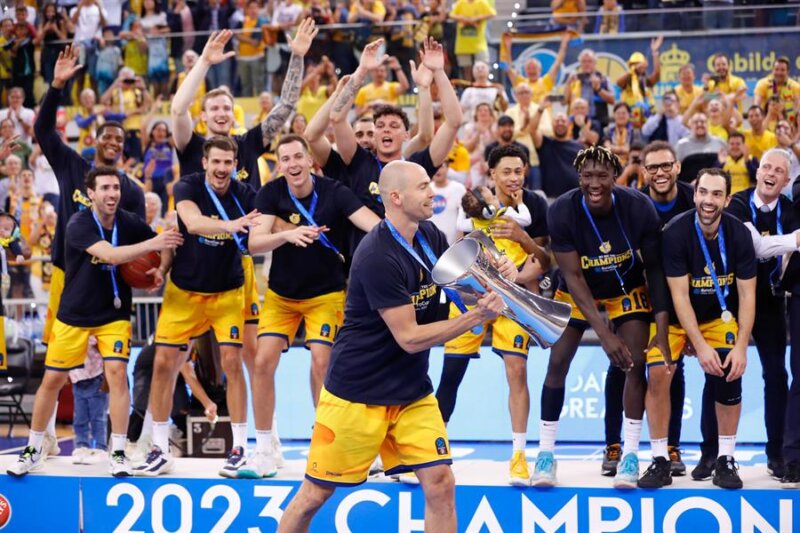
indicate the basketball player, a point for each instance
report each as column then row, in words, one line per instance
column 96, row 301
column 377, row 395
column 306, row 278
column 710, row 265
column 205, row 289
column 622, row 225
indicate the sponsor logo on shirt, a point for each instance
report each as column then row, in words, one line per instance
column 439, row 204
column 216, row 239
column 423, row 298
column 374, row 189
column 294, row 218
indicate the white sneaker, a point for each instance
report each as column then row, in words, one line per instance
column 50, row 447
column 142, row 449
column 376, row 467
column 233, row 463
column 156, row 463
column 80, row 456
column 119, row 465
column 277, row 454
column 29, row 461
column 257, row 466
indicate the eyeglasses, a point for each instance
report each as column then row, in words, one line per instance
column 665, row 166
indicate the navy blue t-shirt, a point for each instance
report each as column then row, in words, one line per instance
column 251, row 146
column 571, row 231
column 683, row 256
column 367, row 365
column 210, row 263
column 88, row 297
column 682, row 202
column 301, row 273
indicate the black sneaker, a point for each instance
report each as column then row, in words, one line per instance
column 657, row 475
column 791, row 476
column 611, row 459
column 775, row 468
column 726, row 473
column 704, row 468
column 677, row 465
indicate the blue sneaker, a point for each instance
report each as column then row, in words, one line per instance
column 544, row 471
column 627, row 472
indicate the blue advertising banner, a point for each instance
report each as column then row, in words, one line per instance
column 39, row 503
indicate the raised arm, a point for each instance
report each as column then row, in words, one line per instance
column 562, row 53
column 53, row 147
column 423, row 78
column 432, row 56
column 116, row 255
column 318, row 143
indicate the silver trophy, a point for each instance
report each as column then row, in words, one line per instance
column 466, row 268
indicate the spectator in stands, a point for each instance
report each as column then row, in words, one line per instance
column 10, row 170
column 637, row 86
column 521, row 114
column 265, row 103
column 154, row 24
column 6, row 39
column 786, row 141
column 446, row 201
column 45, row 182
column 477, row 136
column 380, row 91
column 610, row 19
column 780, row 85
column 471, row 46
column 738, row 163
column 87, row 118
column 19, row 147
column 297, row 125
column 318, row 85
column 23, row 204
column 127, row 100
column 504, row 135
column 556, row 153
column 722, row 116
column 158, row 161
column 250, row 59
column 367, row 13
column 621, row 135
column 189, row 58
column 42, row 232
column 584, row 129
column 21, row 115
column 717, row 14
column 634, row 175
column 342, row 42
column 591, row 85
column 758, row 138
column 400, row 42
column 726, row 83
column 52, row 27
column 135, row 47
column 23, row 64
column 109, row 61
column 88, row 18
column 216, row 17
column 686, row 90
column 154, row 210
column 775, row 113
column 700, row 141
column 569, row 13
column 540, row 85
column 483, row 91
column 667, row 125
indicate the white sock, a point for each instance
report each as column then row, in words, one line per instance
column 659, row 448
column 51, row 424
column 118, row 441
column 147, row 424
column 264, row 441
column 518, row 441
column 161, row 435
column 35, row 439
column 547, row 435
column 239, row 435
column 632, row 430
column 727, row 445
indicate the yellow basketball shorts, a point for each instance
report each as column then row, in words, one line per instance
column 508, row 338
column 251, row 309
column 323, row 316
column 718, row 334
column 56, row 288
column 632, row 306
column 347, row 436
column 186, row 315
column 69, row 344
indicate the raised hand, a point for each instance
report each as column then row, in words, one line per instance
column 168, row 239
column 655, row 44
column 432, row 55
column 214, row 51
column 369, row 57
column 304, row 37
column 66, row 66
column 243, row 224
column 422, row 75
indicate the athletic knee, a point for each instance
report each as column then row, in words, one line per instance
column 439, row 486
column 231, row 362
column 116, row 375
column 658, row 381
column 312, row 496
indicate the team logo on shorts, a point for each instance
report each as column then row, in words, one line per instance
column 441, row 446
column 254, row 309
column 626, row 305
column 234, row 332
column 118, row 347
column 605, row 247
column 518, row 341
column 294, row 218
column 325, row 330
column 730, row 338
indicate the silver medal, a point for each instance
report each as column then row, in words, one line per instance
column 117, row 302
column 727, row 316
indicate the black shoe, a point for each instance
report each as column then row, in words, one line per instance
column 704, row 468
column 775, row 468
column 791, row 476
column 726, row 473
column 677, row 465
column 611, row 459
column 657, row 475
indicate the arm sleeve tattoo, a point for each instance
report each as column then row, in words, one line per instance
column 290, row 94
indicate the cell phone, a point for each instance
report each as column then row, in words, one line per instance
column 555, row 98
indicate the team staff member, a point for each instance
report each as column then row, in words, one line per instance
column 620, row 224
column 205, row 290
column 670, row 197
column 710, row 265
column 508, row 167
column 96, row 301
column 377, row 395
column 306, row 278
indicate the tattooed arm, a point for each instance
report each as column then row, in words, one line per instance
column 315, row 130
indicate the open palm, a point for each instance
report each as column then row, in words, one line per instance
column 432, row 55
column 304, row 37
column 214, row 51
column 67, row 64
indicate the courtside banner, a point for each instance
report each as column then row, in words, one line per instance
column 39, row 503
column 200, row 505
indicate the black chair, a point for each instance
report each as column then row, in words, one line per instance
column 14, row 382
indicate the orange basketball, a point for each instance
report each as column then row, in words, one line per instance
column 135, row 272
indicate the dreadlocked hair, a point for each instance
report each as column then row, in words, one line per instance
column 600, row 155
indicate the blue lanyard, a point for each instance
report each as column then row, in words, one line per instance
column 721, row 295
column 308, row 214
column 778, row 228
column 224, row 215
column 114, row 242
column 620, row 277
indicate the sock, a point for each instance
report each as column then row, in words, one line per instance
column 147, row 424
column 727, row 445
column 118, row 441
column 264, row 441
column 659, row 448
column 518, row 441
column 547, row 435
column 35, row 439
column 632, row 430
column 51, row 424
column 161, row 435
column 239, row 435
